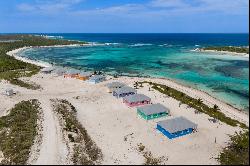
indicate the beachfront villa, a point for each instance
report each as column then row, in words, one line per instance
column 47, row 70
column 84, row 76
column 96, row 79
column 114, row 86
column 173, row 128
column 136, row 100
column 59, row 71
column 124, row 91
column 153, row 111
column 72, row 73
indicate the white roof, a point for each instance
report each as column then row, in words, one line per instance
column 177, row 124
column 153, row 109
column 85, row 74
column 115, row 84
column 73, row 71
column 97, row 77
column 136, row 98
column 125, row 89
column 8, row 90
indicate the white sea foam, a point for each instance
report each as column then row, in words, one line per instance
column 108, row 44
column 166, row 45
column 140, row 44
column 51, row 37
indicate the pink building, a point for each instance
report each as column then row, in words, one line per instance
column 136, row 100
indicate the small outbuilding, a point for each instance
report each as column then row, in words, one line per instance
column 124, row 91
column 136, row 100
column 152, row 111
column 84, row 76
column 47, row 70
column 96, row 79
column 72, row 73
column 59, row 71
column 173, row 128
column 114, row 86
column 9, row 92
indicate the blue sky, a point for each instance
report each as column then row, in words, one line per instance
column 124, row 16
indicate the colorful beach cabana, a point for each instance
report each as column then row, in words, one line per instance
column 84, row 76
column 72, row 73
column 96, row 79
column 153, row 111
column 136, row 100
column 173, row 128
column 124, row 91
column 114, row 86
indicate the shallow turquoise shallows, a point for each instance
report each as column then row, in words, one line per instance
column 161, row 55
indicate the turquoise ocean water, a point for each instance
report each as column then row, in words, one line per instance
column 160, row 55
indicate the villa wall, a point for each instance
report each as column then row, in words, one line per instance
column 175, row 135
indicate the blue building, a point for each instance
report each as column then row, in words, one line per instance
column 124, row 91
column 173, row 128
column 96, row 79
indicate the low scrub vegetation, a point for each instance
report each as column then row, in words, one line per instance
column 149, row 158
column 18, row 131
column 85, row 150
column 237, row 151
column 229, row 48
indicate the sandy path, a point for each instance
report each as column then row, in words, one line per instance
column 53, row 148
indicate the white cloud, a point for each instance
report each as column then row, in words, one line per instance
column 26, row 7
column 168, row 3
column 154, row 8
column 47, row 6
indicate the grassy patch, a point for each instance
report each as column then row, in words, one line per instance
column 237, row 151
column 23, row 84
column 229, row 48
column 196, row 104
column 149, row 158
column 18, row 132
column 85, row 150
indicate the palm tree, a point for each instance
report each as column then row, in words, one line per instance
column 216, row 107
column 167, row 88
column 182, row 94
column 199, row 101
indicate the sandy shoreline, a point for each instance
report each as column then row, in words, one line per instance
column 222, row 52
column 15, row 52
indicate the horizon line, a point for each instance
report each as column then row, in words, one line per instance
column 125, row 33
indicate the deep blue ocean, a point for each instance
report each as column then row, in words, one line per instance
column 160, row 55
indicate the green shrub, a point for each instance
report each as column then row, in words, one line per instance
column 237, row 151
column 18, row 131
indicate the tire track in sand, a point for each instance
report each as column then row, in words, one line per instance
column 53, row 150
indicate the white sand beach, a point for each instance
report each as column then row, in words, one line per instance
column 245, row 55
column 108, row 121
column 15, row 53
column 116, row 128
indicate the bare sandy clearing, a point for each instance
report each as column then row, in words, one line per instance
column 117, row 130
